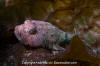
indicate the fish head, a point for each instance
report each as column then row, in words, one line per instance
column 29, row 27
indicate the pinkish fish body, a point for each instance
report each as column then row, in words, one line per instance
column 39, row 33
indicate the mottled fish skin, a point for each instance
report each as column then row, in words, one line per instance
column 39, row 33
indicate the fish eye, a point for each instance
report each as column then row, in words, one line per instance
column 32, row 31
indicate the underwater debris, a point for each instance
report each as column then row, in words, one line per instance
column 39, row 33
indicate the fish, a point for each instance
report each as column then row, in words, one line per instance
column 37, row 33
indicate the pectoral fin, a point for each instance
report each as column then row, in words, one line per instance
column 57, row 48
